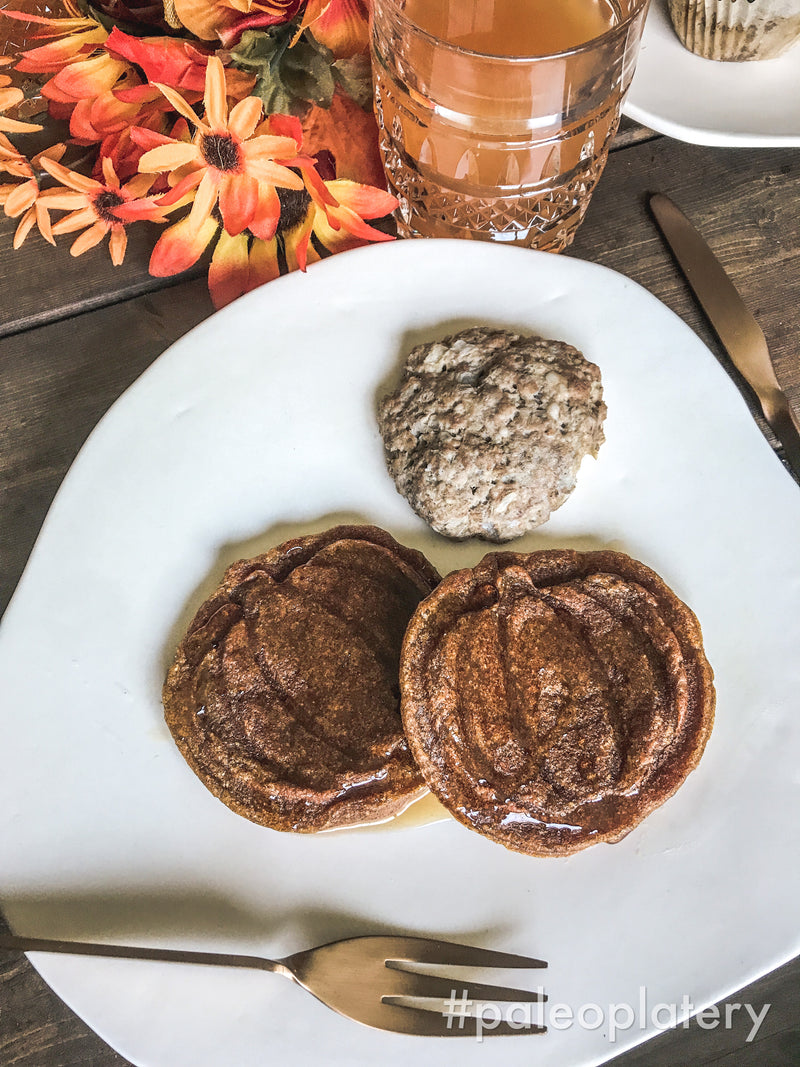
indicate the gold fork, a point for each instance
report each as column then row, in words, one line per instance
column 366, row 979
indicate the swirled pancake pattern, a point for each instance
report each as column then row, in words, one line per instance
column 553, row 700
column 284, row 697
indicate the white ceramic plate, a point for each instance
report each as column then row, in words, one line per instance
column 755, row 104
column 259, row 425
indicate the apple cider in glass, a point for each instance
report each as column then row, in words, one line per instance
column 496, row 116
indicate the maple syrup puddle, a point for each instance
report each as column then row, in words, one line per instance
column 420, row 812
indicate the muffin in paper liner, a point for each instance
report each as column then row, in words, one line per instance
column 736, row 30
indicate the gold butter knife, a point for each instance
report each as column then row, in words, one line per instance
column 740, row 334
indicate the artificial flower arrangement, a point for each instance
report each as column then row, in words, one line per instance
column 242, row 126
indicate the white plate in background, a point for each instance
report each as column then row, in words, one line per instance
column 754, row 104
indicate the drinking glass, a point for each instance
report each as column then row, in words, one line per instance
column 497, row 147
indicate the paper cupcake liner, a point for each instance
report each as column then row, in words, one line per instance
column 736, row 30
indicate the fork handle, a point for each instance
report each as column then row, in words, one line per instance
column 9, row 942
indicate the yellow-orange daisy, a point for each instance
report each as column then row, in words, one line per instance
column 226, row 164
column 99, row 209
column 322, row 218
column 239, row 263
column 314, row 228
column 328, row 212
column 30, row 204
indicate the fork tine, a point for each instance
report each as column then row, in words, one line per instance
column 415, row 1020
column 379, row 980
column 446, row 953
column 409, row 984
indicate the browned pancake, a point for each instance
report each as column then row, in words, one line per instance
column 284, row 695
column 553, row 700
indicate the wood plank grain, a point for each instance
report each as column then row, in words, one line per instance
column 732, row 1042
column 37, row 1028
column 744, row 202
column 41, row 284
column 631, row 133
column 57, row 382
column 44, row 285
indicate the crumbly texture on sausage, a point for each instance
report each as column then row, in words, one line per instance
column 487, row 429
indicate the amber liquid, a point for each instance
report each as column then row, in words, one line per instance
column 481, row 140
column 513, row 27
column 421, row 812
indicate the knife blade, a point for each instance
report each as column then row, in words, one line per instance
column 741, row 336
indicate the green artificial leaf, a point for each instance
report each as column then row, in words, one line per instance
column 288, row 77
column 354, row 78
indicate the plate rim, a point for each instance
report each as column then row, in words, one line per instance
column 659, row 37
column 256, row 298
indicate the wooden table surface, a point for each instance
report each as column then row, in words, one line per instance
column 75, row 333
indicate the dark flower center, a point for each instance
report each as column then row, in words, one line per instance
column 294, row 207
column 220, row 151
column 105, row 202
